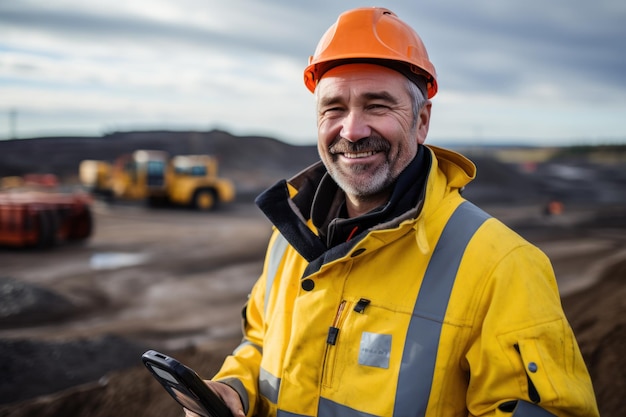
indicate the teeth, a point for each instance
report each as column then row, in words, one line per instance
column 359, row 155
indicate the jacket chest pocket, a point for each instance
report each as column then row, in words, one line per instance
column 364, row 346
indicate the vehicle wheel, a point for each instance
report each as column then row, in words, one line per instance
column 48, row 226
column 205, row 199
column 157, row 201
column 82, row 226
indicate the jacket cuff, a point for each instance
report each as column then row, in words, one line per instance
column 237, row 385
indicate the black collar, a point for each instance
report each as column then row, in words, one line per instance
column 320, row 199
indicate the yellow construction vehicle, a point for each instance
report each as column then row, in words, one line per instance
column 140, row 176
column 96, row 176
column 193, row 180
column 184, row 180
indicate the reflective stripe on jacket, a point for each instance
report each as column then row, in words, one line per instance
column 447, row 313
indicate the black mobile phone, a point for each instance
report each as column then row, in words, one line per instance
column 184, row 385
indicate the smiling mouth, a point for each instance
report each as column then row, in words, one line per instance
column 357, row 155
column 362, row 149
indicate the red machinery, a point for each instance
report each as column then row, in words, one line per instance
column 43, row 219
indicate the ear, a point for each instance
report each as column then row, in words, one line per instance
column 423, row 122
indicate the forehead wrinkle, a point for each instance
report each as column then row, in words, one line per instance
column 383, row 95
column 329, row 100
column 366, row 97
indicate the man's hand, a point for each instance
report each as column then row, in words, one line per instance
column 228, row 395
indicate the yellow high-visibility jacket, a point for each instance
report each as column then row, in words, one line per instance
column 442, row 312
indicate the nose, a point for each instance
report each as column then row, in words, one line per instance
column 354, row 127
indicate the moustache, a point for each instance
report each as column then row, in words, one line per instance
column 370, row 143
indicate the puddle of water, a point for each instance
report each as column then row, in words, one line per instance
column 115, row 260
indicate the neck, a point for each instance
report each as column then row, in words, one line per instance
column 357, row 206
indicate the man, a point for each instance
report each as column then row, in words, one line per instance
column 384, row 292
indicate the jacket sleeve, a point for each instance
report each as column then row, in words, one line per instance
column 241, row 369
column 524, row 350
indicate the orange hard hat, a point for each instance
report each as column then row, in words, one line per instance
column 374, row 35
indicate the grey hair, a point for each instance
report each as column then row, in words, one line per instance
column 418, row 99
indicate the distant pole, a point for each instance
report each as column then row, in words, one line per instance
column 13, row 123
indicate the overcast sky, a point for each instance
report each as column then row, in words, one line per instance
column 532, row 71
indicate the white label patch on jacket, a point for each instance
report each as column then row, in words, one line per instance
column 375, row 350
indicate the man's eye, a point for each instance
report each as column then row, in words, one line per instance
column 332, row 110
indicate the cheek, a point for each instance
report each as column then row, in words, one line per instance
column 322, row 149
column 325, row 134
column 406, row 149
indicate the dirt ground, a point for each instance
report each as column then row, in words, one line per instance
column 75, row 319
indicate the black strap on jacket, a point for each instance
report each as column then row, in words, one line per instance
column 527, row 409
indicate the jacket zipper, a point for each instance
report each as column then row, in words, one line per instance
column 331, row 341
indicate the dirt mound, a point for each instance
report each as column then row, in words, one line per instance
column 131, row 392
column 23, row 303
column 598, row 318
column 494, row 176
column 253, row 163
column 33, row 368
